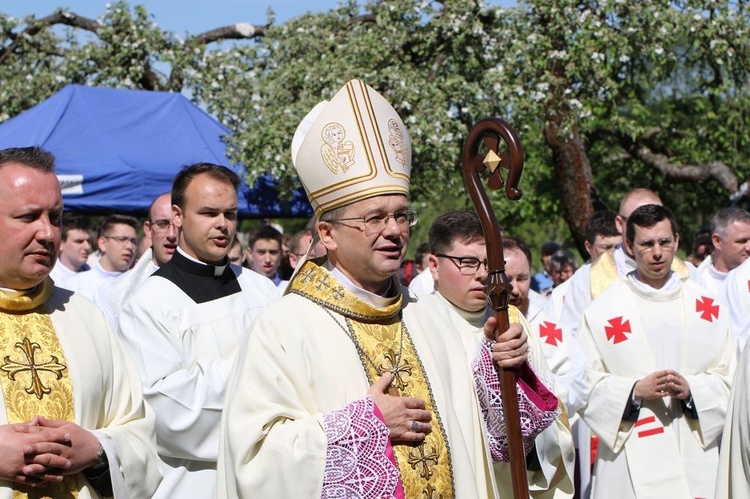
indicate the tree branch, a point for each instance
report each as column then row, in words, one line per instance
column 37, row 25
column 717, row 170
column 642, row 150
column 239, row 31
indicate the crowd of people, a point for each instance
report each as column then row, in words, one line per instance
column 302, row 366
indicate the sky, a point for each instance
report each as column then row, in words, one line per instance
column 192, row 16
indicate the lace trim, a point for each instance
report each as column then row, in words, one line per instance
column 357, row 465
column 536, row 415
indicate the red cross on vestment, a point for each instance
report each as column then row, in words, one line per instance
column 550, row 333
column 707, row 309
column 617, row 329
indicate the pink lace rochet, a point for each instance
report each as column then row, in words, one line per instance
column 359, row 458
column 537, row 406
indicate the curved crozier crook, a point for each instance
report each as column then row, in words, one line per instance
column 489, row 132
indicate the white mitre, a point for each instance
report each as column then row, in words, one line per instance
column 353, row 147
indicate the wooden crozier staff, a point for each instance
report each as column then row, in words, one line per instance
column 490, row 131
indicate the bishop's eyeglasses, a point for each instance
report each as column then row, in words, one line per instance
column 375, row 223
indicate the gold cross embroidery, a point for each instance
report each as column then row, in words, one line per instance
column 14, row 367
column 338, row 293
column 420, row 456
column 398, row 371
column 322, row 282
column 306, row 276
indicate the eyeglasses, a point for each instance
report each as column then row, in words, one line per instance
column 666, row 243
column 375, row 223
column 162, row 225
column 467, row 265
column 123, row 239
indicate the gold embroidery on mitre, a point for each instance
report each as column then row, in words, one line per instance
column 335, row 151
column 397, row 141
column 35, row 381
column 426, row 469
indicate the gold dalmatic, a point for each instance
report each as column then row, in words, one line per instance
column 34, row 374
column 384, row 345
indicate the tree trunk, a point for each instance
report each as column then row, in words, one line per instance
column 573, row 177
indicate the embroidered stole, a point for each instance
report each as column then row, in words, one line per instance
column 604, row 272
column 34, row 374
column 425, row 469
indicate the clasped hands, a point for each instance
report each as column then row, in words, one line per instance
column 407, row 418
column 43, row 451
column 660, row 384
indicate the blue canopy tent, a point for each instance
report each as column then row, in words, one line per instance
column 117, row 150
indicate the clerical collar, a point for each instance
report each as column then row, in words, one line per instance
column 195, row 266
column 476, row 319
column 390, row 296
column 669, row 291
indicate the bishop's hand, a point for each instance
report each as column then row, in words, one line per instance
column 405, row 417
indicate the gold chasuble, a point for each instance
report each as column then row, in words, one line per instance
column 384, row 345
column 33, row 373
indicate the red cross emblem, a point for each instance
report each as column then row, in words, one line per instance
column 617, row 329
column 707, row 309
column 550, row 333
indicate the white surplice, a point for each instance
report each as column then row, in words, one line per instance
column 554, row 446
column 184, row 352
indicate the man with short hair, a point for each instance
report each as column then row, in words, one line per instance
column 184, row 324
column 265, row 252
column 162, row 234
column 730, row 235
column 602, row 234
column 458, row 268
column 73, row 422
column 117, row 243
column 74, row 249
column 660, row 363
column 344, row 384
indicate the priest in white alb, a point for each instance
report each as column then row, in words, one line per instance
column 660, row 363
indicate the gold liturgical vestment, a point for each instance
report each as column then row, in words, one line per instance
column 34, row 373
column 384, row 345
